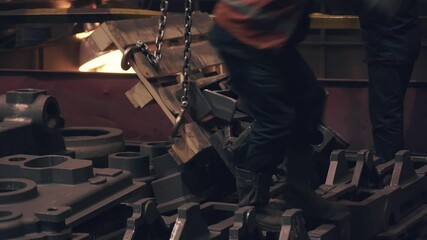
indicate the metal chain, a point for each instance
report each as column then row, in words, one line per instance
column 188, row 22
column 164, row 4
column 186, row 70
column 153, row 58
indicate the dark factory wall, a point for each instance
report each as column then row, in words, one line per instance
column 95, row 99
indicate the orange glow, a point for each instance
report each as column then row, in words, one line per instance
column 108, row 62
column 83, row 35
column 61, row 4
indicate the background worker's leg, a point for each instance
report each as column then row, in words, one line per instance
column 387, row 87
column 391, row 31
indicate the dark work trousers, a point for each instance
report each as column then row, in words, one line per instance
column 281, row 93
column 387, row 87
column 391, row 31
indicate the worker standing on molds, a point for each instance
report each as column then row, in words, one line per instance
column 257, row 40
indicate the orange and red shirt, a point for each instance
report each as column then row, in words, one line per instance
column 262, row 24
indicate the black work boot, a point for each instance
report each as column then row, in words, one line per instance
column 254, row 190
column 298, row 193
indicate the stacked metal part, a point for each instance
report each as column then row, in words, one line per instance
column 54, row 196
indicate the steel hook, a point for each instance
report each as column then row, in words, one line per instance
column 127, row 55
column 179, row 120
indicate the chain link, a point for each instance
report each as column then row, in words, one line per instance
column 164, row 4
column 187, row 53
column 153, row 58
column 186, row 70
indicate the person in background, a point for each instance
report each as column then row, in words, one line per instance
column 391, row 32
column 257, row 40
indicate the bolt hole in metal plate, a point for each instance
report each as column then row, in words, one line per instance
column 155, row 148
column 51, row 114
column 6, row 215
column 44, row 162
column 17, row 159
column 11, row 186
column 13, row 190
column 317, row 138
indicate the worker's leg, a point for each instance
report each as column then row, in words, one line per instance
column 391, row 32
column 309, row 99
column 387, row 87
column 257, row 78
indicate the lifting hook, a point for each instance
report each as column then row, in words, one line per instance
column 138, row 47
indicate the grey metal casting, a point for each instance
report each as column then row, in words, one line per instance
column 45, row 197
column 94, row 143
column 29, row 123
